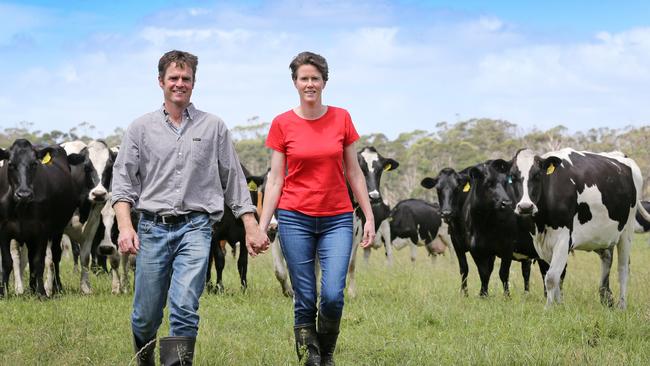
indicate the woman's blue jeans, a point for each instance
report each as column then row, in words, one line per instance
column 171, row 265
column 304, row 239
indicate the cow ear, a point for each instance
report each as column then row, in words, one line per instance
column 476, row 173
column 501, row 166
column 113, row 154
column 76, row 159
column 45, row 155
column 549, row 164
column 254, row 182
column 390, row 164
column 428, row 182
column 4, row 154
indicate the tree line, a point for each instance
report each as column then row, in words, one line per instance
column 420, row 153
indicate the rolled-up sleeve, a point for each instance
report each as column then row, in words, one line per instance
column 126, row 186
column 233, row 181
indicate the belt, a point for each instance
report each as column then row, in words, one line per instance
column 167, row 219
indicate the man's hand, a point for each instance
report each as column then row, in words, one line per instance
column 128, row 241
column 256, row 240
column 368, row 234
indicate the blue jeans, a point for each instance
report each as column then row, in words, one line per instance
column 171, row 265
column 304, row 237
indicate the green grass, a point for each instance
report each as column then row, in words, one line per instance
column 407, row 314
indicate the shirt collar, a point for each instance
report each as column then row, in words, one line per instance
column 189, row 112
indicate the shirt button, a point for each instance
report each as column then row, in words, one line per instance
column 179, row 154
column 178, row 172
column 178, row 190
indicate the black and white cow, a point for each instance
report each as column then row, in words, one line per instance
column 452, row 189
column 579, row 200
column 232, row 231
column 641, row 224
column 415, row 222
column 93, row 179
column 373, row 165
column 37, row 199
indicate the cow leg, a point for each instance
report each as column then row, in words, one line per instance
column 464, row 271
column 543, row 268
column 280, row 267
column 76, row 253
column 48, row 270
column 485, row 265
column 16, row 257
column 504, row 274
column 57, row 253
column 414, row 252
column 115, row 273
column 559, row 258
column 623, row 250
column 208, row 274
column 220, row 263
column 352, row 284
column 37, row 252
column 6, row 264
column 89, row 230
column 124, row 274
column 384, row 233
column 525, row 272
column 606, row 297
column 242, row 264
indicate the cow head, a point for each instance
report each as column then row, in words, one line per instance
column 23, row 160
column 528, row 173
column 489, row 185
column 96, row 171
column 373, row 165
column 450, row 186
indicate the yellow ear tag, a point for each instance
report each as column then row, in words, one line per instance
column 466, row 188
column 550, row 169
column 252, row 186
column 46, row 159
column 387, row 167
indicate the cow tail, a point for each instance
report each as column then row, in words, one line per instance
column 642, row 211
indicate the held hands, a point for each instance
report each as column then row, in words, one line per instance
column 128, row 241
column 256, row 241
column 368, row 233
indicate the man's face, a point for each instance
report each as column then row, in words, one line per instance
column 177, row 85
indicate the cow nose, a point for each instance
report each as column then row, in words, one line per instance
column 23, row 195
column 446, row 213
column 374, row 195
column 524, row 208
column 99, row 196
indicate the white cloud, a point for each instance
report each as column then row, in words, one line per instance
column 393, row 74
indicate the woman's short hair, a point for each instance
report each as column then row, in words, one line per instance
column 180, row 58
column 309, row 58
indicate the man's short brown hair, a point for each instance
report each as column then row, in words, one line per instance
column 309, row 58
column 181, row 59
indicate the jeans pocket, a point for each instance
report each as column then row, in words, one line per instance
column 201, row 152
column 200, row 222
column 144, row 226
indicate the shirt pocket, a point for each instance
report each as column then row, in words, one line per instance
column 201, row 152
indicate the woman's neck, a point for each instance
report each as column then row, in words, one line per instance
column 310, row 111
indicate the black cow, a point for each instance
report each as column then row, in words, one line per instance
column 232, row 231
column 37, row 199
column 580, row 200
column 415, row 222
column 452, row 189
column 372, row 165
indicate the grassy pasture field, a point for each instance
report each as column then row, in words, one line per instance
column 407, row 314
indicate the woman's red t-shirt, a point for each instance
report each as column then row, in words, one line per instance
column 315, row 183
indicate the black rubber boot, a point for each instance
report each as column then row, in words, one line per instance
column 328, row 332
column 177, row 351
column 144, row 352
column 307, row 342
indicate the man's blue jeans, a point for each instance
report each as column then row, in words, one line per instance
column 171, row 265
column 304, row 237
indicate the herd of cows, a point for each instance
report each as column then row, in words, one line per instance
column 529, row 208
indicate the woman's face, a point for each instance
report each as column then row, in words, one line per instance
column 309, row 83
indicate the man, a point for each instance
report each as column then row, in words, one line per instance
column 177, row 166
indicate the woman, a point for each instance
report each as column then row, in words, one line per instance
column 314, row 143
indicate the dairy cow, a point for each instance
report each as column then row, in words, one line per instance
column 93, row 181
column 37, row 199
column 579, row 200
column 413, row 223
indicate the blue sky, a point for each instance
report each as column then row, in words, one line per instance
column 396, row 66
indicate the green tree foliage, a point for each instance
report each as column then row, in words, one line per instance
column 420, row 153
